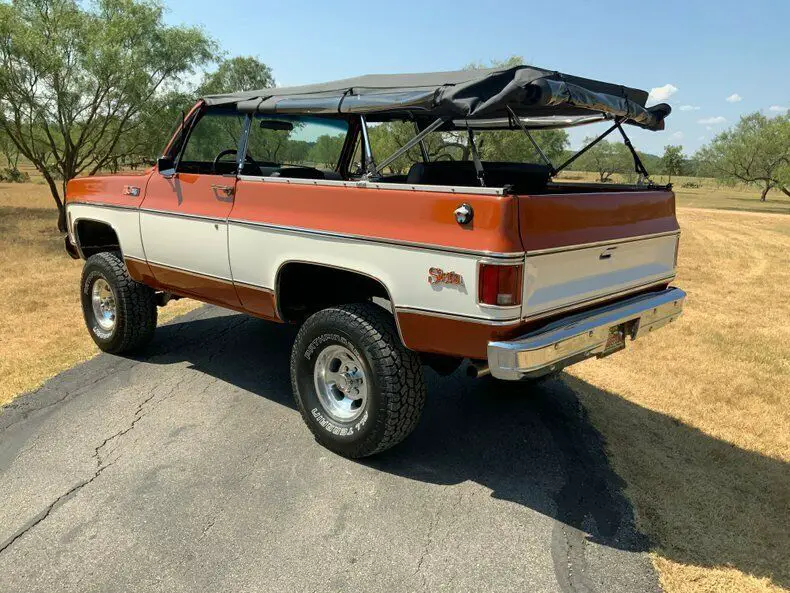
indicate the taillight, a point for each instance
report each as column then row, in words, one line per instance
column 499, row 285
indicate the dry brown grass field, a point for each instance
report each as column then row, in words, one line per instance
column 695, row 418
column 710, row 193
column 41, row 328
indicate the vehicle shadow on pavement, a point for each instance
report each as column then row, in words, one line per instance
column 708, row 503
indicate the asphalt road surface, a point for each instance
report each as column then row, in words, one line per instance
column 189, row 469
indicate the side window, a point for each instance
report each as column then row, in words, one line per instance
column 278, row 143
column 216, row 132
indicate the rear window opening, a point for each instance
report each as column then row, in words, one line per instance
column 518, row 160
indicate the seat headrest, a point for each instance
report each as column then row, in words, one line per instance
column 523, row 177
column 443, row 173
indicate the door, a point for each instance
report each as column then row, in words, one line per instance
column 183, row 219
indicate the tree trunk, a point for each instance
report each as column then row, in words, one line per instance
column 765, row 191
column 785, row 190
column 53, row 189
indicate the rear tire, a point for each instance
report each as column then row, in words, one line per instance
column 358, row 388
column 120, row 313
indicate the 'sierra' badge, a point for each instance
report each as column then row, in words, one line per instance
column 439, row 276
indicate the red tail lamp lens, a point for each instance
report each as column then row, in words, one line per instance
column 500, row 285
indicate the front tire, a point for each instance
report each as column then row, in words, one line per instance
column 120, row 313
column 358, row 388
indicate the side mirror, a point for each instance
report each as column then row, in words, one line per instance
column 165, row 166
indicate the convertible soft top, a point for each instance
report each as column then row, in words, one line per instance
column 465, row 98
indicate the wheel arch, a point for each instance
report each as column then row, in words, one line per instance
column 101, row 236
column 288, row 266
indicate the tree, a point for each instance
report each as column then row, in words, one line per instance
column 76, row 80
column 756, row 152
column 9, row 150
column 155, row 125
column 673, row 161
column 504, row 145
column 242, row 73
column 605, row 159
column 326, row 150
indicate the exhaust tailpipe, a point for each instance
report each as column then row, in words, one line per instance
column 477, row 370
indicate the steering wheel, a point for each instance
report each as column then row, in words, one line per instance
column 247, row 158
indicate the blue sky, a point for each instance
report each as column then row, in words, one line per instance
column 699, row 53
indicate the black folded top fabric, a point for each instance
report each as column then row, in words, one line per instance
column 484, row 94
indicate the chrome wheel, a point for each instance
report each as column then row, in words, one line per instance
column 340, row 383
column 103, row 303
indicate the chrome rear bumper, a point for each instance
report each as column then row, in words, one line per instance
column 574, row 338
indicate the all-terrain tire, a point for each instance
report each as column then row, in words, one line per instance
column 134, row 305
column 393, row 379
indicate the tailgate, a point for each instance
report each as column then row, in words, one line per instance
column 587, row 246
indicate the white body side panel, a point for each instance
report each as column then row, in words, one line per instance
column 125, row 222
column 186, row 243
column 563, row 278
column 256, row 254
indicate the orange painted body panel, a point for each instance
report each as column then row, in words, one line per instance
column 115, row 190
column 559, row 220
column 187, row 284
column 141, row 272
column 441, row 335
column 258, row 302
column 401, row 215
column 255, row 301
column 190, row 193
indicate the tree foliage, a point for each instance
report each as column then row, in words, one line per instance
column 492, row 145
column 242, row 73
column 756, row 152
column 605, row 159
column 77, row 80
column 673, row 162
column 9, row 151
column 325, row 151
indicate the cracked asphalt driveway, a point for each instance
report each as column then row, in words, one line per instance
column 188, row 469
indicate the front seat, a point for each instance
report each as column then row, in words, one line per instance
column 298, row 173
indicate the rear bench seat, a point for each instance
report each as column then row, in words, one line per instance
column 523, row 177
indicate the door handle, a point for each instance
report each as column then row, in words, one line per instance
column 225, row 189
column 607, row 253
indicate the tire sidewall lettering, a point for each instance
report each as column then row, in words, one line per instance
column 324, row 339
column 336, row 429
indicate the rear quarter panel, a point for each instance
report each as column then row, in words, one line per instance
column 393, row 235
